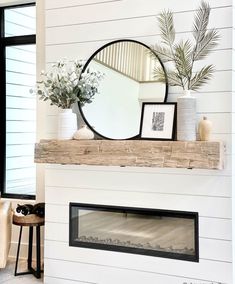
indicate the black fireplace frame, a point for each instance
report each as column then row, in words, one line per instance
column 73, row 230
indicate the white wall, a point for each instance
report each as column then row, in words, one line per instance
column 233, row 138
column 75, row 29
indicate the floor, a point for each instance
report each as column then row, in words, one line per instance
column 7, row 275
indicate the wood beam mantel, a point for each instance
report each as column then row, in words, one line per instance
column 134, row 153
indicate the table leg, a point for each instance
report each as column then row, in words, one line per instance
column 38, row 241
column 18, row 250
column 30, row 247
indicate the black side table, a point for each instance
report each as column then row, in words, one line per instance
column 30, row 221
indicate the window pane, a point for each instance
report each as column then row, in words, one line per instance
column 20, row 21
column 20, row 119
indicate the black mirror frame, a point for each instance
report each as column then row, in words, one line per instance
column 88, row 62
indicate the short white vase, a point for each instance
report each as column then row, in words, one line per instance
column 186, row 117
column 67, row 124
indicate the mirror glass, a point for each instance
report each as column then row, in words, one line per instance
column 128, row 68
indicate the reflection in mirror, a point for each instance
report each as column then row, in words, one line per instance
column 128, row 81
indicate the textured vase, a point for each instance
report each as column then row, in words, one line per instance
column 84, row 133
column 186, row 117
column 204, row 129
column 67, row 124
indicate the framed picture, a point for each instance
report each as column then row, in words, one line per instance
column 158, row 121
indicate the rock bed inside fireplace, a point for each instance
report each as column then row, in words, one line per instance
column 149, row 232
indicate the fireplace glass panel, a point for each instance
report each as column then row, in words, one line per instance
column 150, row 232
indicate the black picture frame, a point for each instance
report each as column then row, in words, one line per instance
column 153, row 123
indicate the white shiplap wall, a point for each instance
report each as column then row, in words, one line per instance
column 75, row 29
column 233, row 138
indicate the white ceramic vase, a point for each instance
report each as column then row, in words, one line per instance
column 84, row 133
column 186, row 117
column 67, row 124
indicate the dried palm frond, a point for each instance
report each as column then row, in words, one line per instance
column 163, row 52
column 183, row 58
column 167, row 29
column 172, row 77
column 206, row 45
column 201, row 21
column 201, row 77
column 184, row 54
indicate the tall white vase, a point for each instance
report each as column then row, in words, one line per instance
column 67, row 124
column 186, row 117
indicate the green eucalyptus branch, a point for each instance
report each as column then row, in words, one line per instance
column 64, row 85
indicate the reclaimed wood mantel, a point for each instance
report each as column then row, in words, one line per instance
column 134, row 153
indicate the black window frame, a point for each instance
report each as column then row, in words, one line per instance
column 5, row 42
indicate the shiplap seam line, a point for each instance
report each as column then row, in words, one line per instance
column 123, row 37
column 80, row 5
column 216, row 112
column 128, row 18
column 140, row 36
column 216, row 260
column 215, row 239
column 136, row 191
column 50, row 240
column 132, row 269
column 51, row 62
column 186, row 172
column 110, row 1
column 200, row 216
column 71, row 61
column 216, row 49
column 71, row 280
column 220, row 70
column 207, row 92
column 131, row 170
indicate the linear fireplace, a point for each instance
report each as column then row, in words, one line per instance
column 162, row 233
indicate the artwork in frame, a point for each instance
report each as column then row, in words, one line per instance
column 158, row 121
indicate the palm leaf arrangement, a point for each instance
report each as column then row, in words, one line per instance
column 184, row 54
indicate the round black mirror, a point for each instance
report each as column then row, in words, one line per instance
column 127, row 65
